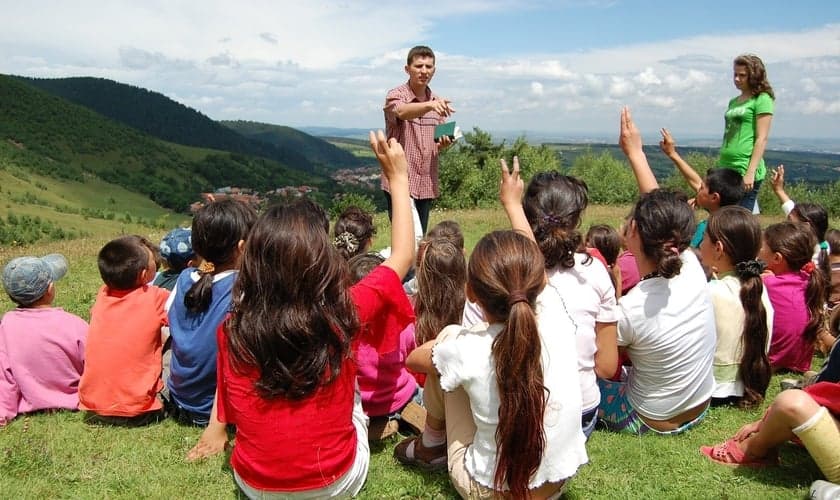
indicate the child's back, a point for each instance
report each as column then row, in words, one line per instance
column 123, row 352
column 41, row 346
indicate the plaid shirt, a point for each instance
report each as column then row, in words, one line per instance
column 417, row 138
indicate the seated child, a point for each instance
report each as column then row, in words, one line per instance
column 41, row 346
column 387, row 387
column 447, row 230
column 177, row 253
column 813, row 214
column 608, row 242
column 797, row 291
column 832, row 237
column 121, row 381
column 722, row 186
column 353, row 232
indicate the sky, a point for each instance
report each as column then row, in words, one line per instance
column 555, row 67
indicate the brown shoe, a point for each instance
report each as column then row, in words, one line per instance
column 428, row 459
column 381, row 428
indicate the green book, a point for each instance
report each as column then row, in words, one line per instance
column 443, row 129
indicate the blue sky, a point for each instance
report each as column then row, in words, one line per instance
column 563, row 67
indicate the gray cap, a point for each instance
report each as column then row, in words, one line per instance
column 26, row 279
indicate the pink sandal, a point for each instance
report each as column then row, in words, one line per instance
column 729, row 453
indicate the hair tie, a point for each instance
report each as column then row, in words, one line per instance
column 808, row 268
column 551, row 219
column 347, row 240
column 750, row 268
column 516, row 297
column 675, row 250
column 824, row 245
column 206, row 267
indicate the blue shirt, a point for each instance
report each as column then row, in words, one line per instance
column 699, row 233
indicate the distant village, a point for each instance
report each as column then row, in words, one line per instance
column 363, row 177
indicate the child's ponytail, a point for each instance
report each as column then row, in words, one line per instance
column 665, row 223
column 506, row 276
column 553, row 205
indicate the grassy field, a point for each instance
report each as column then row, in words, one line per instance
column 58, row 456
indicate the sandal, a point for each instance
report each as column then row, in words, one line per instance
column 729, row 453
column 410, row 451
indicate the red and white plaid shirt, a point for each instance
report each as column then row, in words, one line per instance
column 417, row 138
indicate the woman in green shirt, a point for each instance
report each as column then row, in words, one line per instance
column 748, row 118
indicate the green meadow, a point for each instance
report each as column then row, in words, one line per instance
column 56, row 455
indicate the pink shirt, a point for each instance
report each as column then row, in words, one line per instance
column 385, row 384
column 629, row 271
column 417, row 137
column 41, row 360
column 788, row 349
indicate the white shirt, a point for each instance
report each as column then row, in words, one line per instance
column 465, row 360
column 668, row 328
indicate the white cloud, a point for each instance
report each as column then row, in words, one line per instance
column 537, row 88
column 816, row 106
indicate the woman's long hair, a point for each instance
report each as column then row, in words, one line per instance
column 217, row 229
column 739, row 232
column 795, row 241
column 756, row 74
column 293, row 317
column 665, row 223
column 506, row 274
column 441, row 277
column 554, row 204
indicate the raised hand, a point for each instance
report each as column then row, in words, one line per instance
column 511, row 185
column 778, row 179
column 390, row 155
column 630, row 139
column 668, row 145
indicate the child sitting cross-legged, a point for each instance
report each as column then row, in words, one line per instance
column 123, row 359
column 41, row 346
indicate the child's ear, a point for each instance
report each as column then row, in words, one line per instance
column 241, row 246
column 715, row 199
column 143, row 277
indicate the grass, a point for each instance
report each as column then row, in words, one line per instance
column 56, row 455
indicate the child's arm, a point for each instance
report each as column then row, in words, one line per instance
column 420, row 359
column 606, row 355
column 395, row 168
column 778, row 182
column 214, row 438
column 511, row 187
column 630, row 141
column 669, row 146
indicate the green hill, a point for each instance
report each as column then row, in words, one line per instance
column 315, row 149
column 161, row 117
column 50, row 136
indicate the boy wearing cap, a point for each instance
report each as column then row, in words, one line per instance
column 121, row 381
column 41, row 346
column 176, row 250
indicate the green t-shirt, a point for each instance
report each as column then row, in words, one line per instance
column 739, row 136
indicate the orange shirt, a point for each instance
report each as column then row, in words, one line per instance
column 123, row 352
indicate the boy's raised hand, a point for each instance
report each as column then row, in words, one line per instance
column 630, row 139
column 778, row 179
column 668, row 145
column 390, row 155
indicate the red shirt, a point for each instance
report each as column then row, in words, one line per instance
column 123, row 352
column 417, row 137
column 284, row 445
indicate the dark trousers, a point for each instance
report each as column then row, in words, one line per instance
column 748, row 201
column 423, row 209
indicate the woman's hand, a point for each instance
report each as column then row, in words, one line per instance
column 749, row 181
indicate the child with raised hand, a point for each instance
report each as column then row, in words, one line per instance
column 42, row 347
column 512, row 418
column 286, row 376
column 177, row 253
column 123, row 355
column 797, row 291
column 743, row 313
column 200, row 300
column 721, row 187
column 666, row 323
column 353, row 232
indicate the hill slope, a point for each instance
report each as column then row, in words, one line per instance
column 161, row 117
column 315, row 149
column 56, row 138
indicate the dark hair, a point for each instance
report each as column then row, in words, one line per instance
column 152, row 248
column 665, row 223
column 362, row 264
column 553, row 205
column 727, row 183
column 506, row 274
column 739, row 232
column 795, row 242
column 353, row 231
column 419, row 51
column 217, row 229
column 816, row 216
column 441, row 277
column 293, row 317
column 605, row 238
column 832, row 237
column 450, row 230
column 121, row 261
column 756, row 74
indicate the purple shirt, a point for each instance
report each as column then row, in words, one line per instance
column 788, row 348
column 41, row 360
